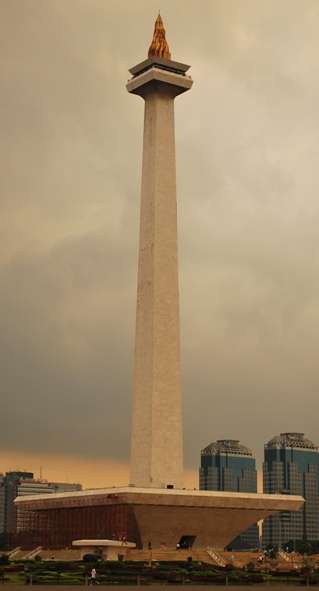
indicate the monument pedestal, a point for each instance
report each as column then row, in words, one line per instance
column 161, row 517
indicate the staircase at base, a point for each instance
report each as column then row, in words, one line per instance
column 12, row 554
column 218, row 559
column 33, row 553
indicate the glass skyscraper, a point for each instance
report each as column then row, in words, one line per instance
column 226, row 465
column 291, row 466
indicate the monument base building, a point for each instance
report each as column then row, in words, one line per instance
column 162, row 517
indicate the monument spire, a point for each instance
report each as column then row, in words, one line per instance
column 157, row 442
column 159, row 46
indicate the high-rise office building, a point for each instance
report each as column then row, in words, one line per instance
column 227, row 465
column 16, row 484
column 12, row 483
column 291, row 466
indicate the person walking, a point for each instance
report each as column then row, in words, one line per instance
column 93, row 576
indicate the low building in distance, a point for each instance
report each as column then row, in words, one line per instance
column 291, row 467
column 16, row 484
column 227, row 465
column 2, row 504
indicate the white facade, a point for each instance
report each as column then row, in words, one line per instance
column 156, row 444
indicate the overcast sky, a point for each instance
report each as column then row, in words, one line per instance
column 248, row 186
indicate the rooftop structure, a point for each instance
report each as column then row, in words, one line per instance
column 227, row 446
column 297, row 440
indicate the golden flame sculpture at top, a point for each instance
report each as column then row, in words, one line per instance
column 159, row 46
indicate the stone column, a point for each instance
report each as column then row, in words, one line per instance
column 156, row 442
column 156, row 450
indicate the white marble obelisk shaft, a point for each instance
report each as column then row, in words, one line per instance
column 156, row 447
column 156, row 443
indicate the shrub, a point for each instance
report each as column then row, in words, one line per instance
column 4, row 559
column 255, row 578
column 251, row 567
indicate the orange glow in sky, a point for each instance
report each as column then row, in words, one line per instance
column 90, row 472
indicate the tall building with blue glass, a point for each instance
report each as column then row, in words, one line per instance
column 291, row 466
column 226, row 465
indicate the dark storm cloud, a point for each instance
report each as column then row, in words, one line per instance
column 247, row 158
column 62, row 368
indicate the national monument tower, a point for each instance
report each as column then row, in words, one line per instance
column 157, row 439
column 149, row 512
